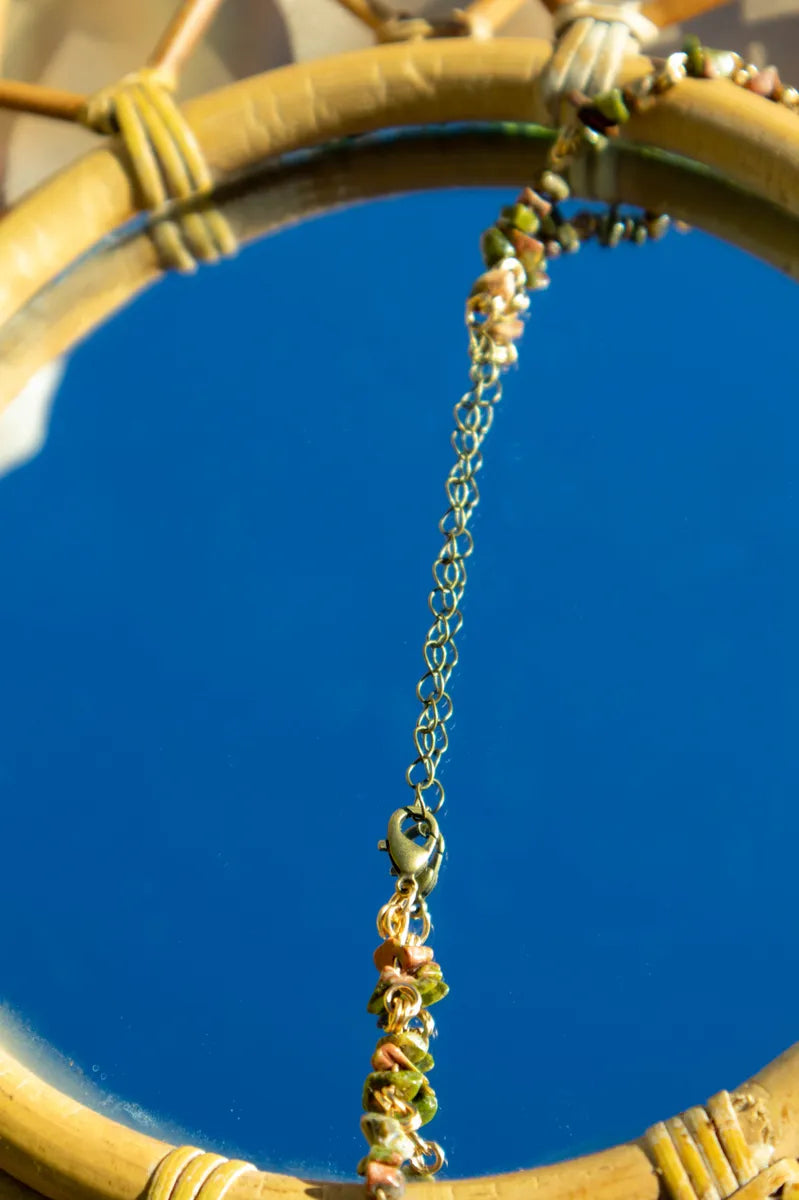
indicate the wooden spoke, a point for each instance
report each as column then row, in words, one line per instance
column 484, row 18
column 43, row 101
column 374, row 15
column 182, row 35
column 3, row 26
column 176, row 44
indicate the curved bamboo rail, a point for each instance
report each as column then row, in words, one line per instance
column 749, row 140
column 65, row 1151
column 48, row 1142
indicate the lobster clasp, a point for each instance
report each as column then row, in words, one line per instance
column 419, row 859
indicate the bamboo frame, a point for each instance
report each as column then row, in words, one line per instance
column 48, row 1142
column 65, row 1151
column 67, row 311
column 747, row 139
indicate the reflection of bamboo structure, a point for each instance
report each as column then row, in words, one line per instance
column 60, row 315
column 64, row 313
column 744, row 1144
column 196, row 170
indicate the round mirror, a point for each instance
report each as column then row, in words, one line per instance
column 215, row 575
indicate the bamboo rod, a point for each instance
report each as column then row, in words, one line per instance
column 41, row 101
column 4, row 5
column 486, row 17
column 182, row 34
column 366, row 13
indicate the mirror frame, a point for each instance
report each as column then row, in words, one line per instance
column 709, row 151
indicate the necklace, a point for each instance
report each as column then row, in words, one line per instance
column 398, row 1098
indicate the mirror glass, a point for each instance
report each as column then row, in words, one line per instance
column 213, row 604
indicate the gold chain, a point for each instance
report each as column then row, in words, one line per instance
column 473, row 416
column 397, row 1096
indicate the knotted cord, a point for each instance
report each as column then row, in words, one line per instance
column 704, row 1155
column 168, row 168
column 187, row 1173
column 591, row 42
